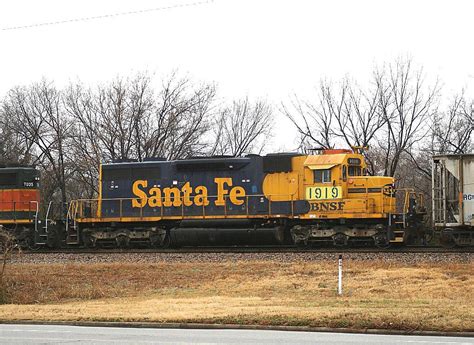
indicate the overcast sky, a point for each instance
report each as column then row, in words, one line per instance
column 263, row 49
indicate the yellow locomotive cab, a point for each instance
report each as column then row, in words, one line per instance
column 343, row 201
column 335, row 185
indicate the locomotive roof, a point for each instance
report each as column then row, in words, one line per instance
column 455, row 155
column 200, row 160
column 187, row 161
column 333, row 159
column 16, row 168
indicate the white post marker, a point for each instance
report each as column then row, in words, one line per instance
column 339, row 285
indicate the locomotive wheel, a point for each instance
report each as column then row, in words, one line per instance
column 88, row 240
column 155, row 241
column 381, row 241
column 302, row 244
column 340, row 240
column 26, row 240
column 30, row 244
column 123, row 241
column 446, row 238
column 53, row 239
column 428, row 237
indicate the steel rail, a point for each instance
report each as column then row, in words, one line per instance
column 243, row 250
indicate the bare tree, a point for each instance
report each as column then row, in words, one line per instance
column 7, row 246
column 129, row 119
column 87, row 149
column 13, row 147
column 452, row 130
column 391, row 115
column 242, row 128
column 358, row 122
column 180, row 119
column 117, row 121
column 36, row 114
column 107, row 125
column 406, row 103
column 314, row 121
column 343, row 115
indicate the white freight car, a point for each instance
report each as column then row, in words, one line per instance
column 453, row 198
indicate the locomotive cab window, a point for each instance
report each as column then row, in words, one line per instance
column 8, row 179
column 322, row 176
column 355, row 171
column 344, row 173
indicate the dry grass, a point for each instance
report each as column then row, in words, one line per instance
column 377, row 295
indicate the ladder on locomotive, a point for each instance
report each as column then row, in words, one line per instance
column 409, row 197
column 40, row 237
column 72, row 228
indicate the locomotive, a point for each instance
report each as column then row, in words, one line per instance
column 19, row 203
column 285, row 198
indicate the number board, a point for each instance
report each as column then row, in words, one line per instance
column 323, row 193
column 353, row 161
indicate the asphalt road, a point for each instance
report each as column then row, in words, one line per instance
column 49, row 334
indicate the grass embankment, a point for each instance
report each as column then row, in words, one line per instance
column 376, row 295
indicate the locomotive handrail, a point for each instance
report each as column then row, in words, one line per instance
column 121, row 208
column 225, row 206
column 191, row 196
column 367, row 194
column 406, row 202
column 69, row 215
column 46, row 220
column 36, row 214
column 408, row 193
column 97, row 204
column 78, row 205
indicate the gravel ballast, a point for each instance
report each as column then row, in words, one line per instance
column 405, row 258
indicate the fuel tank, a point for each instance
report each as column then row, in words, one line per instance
column 227, row 233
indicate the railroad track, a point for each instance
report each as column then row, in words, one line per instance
column 262, row 249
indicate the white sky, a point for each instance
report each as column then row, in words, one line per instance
column 264, row 49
